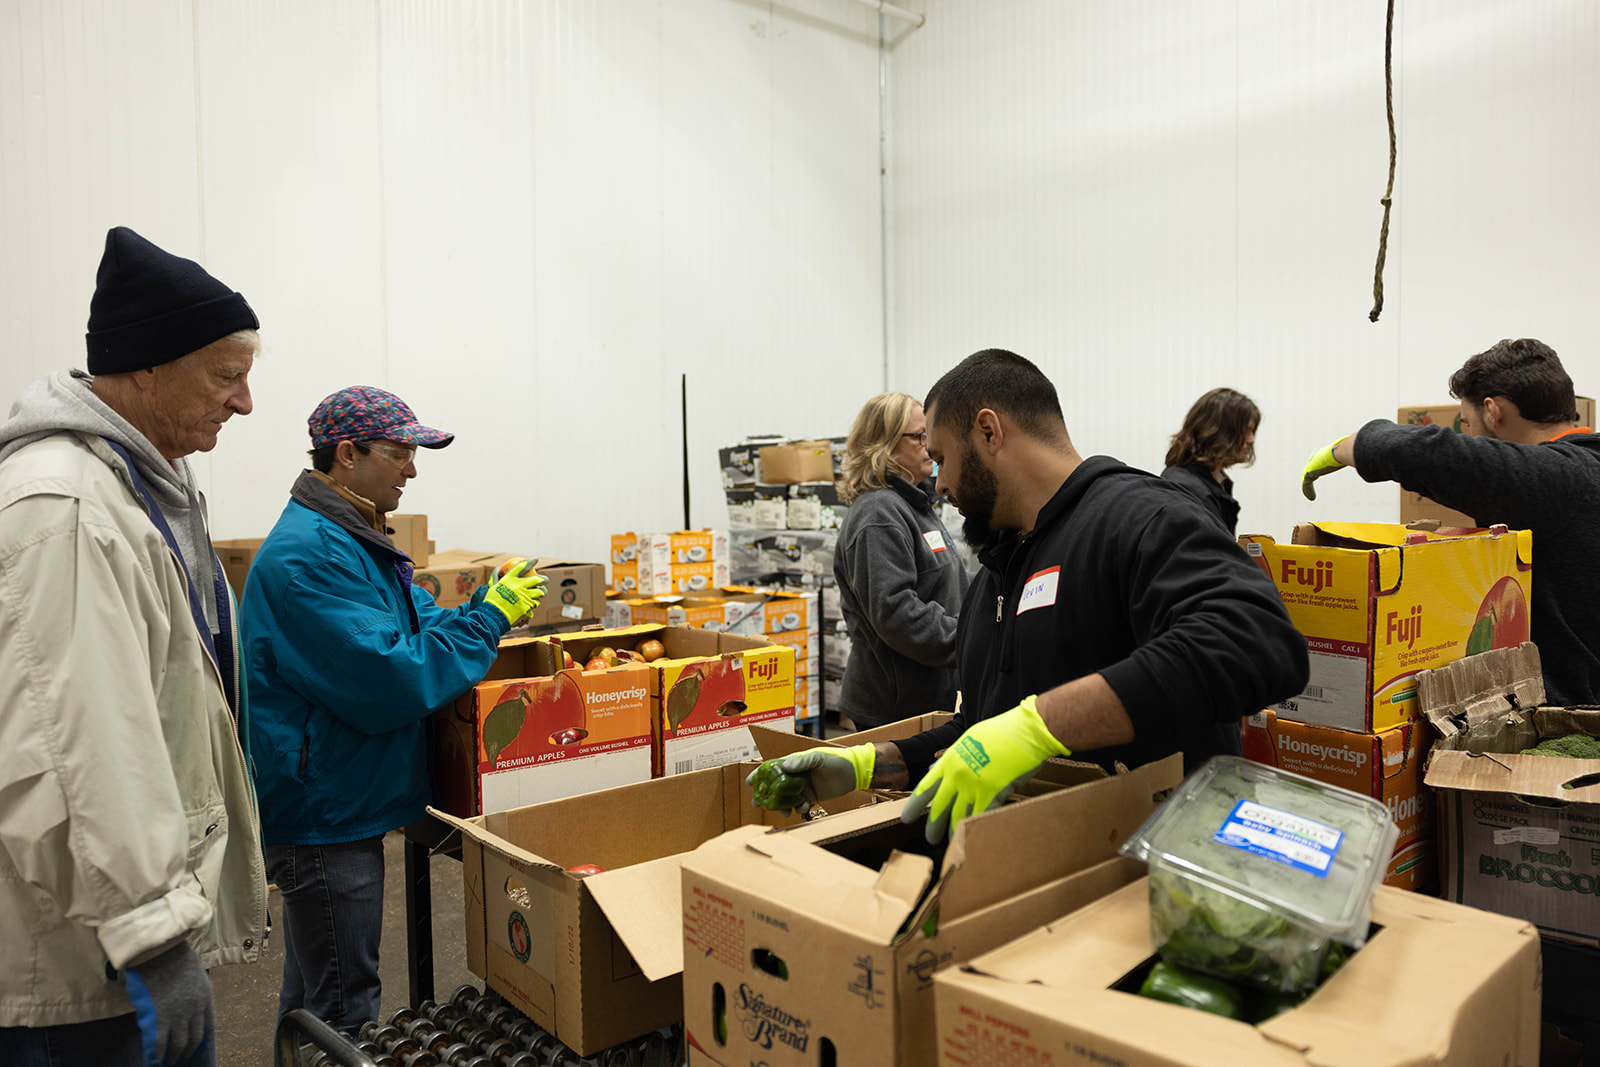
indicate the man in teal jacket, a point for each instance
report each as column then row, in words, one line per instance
column 346, row 658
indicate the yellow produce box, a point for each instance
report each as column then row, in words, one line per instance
column 1379, row 602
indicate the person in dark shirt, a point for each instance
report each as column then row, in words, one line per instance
column 1219, row 432
column 1112, row 620
column 1523, row 461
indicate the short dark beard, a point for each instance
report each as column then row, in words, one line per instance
column 975, row 496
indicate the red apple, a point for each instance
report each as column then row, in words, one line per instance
column 651, row 649
column 585, row 868
column 596, row 664
column 567, row 660
column 514, row 562
column 1503, row 619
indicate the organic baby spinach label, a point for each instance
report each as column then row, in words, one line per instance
column 1290, row 839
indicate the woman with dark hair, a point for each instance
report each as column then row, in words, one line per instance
column 1218, row 432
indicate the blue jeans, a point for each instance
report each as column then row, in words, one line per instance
column 332, row 921
column 112, row 1042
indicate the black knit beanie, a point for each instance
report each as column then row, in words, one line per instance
column 151, row 307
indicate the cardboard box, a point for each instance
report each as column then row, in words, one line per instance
column 777, row 610
column 625, row 577
column 682, row 578
column 827, row 936
column 797, row 461
column 409, row 534
column 1378, row 603
column 1386, row 766
column 684, row 546
column 236, row 556
column 505, row 743
column 575, row 593
column 763, row 507
column 1414, row 507
column 708, row 692
column 738, row 463
column 815, row 506
column 449, row 582
column 1437, row 984
column 1519, row 834
column 598, row 959
column 784, row 551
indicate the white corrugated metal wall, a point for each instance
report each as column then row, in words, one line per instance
column 530, row 218
column 1154, row 197
column 527, row 219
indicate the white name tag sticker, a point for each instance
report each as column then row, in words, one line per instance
column 1040, row 590
column 935, row 540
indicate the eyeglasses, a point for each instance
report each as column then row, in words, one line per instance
column 400, row 457
column 919, row 438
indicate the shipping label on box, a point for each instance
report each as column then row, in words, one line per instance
column 1379, row 603
column 1386, row 767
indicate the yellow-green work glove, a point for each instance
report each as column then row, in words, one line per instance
column 982, row 769
column 517, row 592
column 1320, row 463
column 830, row 772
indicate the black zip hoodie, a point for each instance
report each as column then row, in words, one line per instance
column 1131, row 577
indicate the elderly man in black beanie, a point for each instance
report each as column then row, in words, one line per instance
column 130, row 858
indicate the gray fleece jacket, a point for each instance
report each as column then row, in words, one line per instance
column 900, row 588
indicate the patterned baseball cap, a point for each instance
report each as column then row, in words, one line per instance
column 362, row 413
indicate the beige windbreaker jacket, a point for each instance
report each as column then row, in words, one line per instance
column 127, row 816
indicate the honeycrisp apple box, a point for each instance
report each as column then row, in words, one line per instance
column 533, row 731
column 596, row 959
column 1435, row 984
column 819, row 943
column 1386, row 766
column 706, row 691
column 1518, row 834
column 1377, row 603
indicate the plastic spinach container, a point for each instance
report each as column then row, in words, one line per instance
column 1255, row 872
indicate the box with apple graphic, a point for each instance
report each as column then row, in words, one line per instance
column 1378, row 603
column 535, row 730
column 1386, row 766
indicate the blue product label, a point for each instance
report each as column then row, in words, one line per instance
column 1292, row 839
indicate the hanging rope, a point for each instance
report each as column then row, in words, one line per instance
column 1388, row 194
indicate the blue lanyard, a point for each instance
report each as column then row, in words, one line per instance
column 197, row 612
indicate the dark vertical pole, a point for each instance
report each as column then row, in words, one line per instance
column 419, row 912
column 685, row 396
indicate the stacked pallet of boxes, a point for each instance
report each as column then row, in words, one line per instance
column 1378, row 604
column 784, row 514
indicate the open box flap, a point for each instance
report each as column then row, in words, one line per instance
column 1533, row 776
column 875, row 904
column 644, row 904
column 1462, row 697
column 478, row 829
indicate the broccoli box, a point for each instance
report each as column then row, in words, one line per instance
column 1378, row 603
column 819, row 943
column 1436, row 983
column 1519, row 833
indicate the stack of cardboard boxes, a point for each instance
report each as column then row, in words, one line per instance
column 686, row 562
column 1378, row 604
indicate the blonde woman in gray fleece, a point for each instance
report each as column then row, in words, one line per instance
column 900, row 579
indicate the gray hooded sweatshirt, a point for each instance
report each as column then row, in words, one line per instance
column 65, row 401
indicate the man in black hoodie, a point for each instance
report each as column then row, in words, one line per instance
column 1521, row 459
column 1126, row 624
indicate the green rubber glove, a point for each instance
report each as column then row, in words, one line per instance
column 982, row 769
column 1320, row 463
column 518, row 593
column 829, row 772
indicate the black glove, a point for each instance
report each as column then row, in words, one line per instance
column 171, row 996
